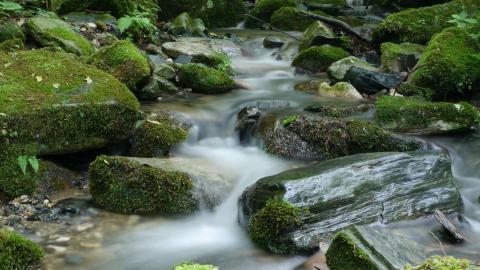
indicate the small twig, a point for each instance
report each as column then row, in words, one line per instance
column 269, row 25
column 440, row 242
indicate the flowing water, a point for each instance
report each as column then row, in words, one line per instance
column 215, row 237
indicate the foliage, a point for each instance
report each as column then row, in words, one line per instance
column 17, row 252
column 137, row 26
column 443, row 263
column 10, row 6
column 289, row 120
column 194, row 266
column 24, row 161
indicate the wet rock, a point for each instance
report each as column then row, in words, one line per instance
column 183, row 59
column 289, row 19
column 337, row 70
column 272, row 42
column 332, row 195
column 11, row 30
column 264, row 10
column 157, row 87
column 400, row 57
column 205, row 80
column 370, row 82
column 186, row 25
column 165, row 71
column 63, row 210
column 316, row 30
column 339, row 90
column 175, row 49
column 247, row 122
column 91, row 19
column 319, row 58
column 311, row 85
column 338, row 111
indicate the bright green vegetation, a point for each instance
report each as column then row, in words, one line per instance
column 408, row 89
column 137, row 26
column 271, row 222
column 289, row 19
column 51, row 32
column 264, row 10
column 319, row 58
column 17, row 252
column 124, row 61
column 419, row 25
column 11, row 30
column 414, row 115
column 444, row 263
column 194, row 266
column 391, row 53
column 129, row 187
column 449, row 66
column 343, row 254
column 186, row 25
column 12, row 45
column 205, row 80
column 156, row 135
column 219, row 61
column 288, row 120
column 118, row 8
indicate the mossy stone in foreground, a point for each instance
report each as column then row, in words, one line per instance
column 126, row 186
column 124, row 61
column 449, row 66
column 205, row 80
column 52, row 32
column 419, row 25
column 17, row 252
column 318, row 58
column 422, row 117
column 194, row 266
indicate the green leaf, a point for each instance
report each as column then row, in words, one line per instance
column 209, row 4
column 10, row 6
column 22, row 162
column 34, row 163
column 124, row 23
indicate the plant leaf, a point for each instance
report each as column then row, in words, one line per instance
column 124, row 23
column 22, row 162
column 10, row 6
column 34, row 163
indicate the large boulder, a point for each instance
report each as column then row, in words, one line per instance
column 318, row 33
column 205, row 80
column 318, row 58
column 337, row 70
column 264, row 10
column 289, row 19
column 419, row 25
column 124, row 61
column 52, row 32
column 17, row 252
column 370, row 82
column 448, row 65
column 53, row 104
column 416, row 116
column 316, row 201
column 118, row 8
column 339, row 90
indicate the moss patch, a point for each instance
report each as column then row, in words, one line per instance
column 205, row 80
column 319, row 58
column 12, row 45
column 129, row 187
column 17, row 252
column 264, row 10
column 391, row 53
column 11, row 30
column 194, row 266
column 343, row 254
column 289, row 19
column 443, row 263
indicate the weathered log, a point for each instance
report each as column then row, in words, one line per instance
column 448, row 227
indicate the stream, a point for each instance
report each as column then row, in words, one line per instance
column 214, row 237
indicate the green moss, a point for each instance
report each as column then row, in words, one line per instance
column 264, row 10
column 17, row 252
column 289, row 19
column 391, row 52
column 408, row 114
column 444, row 263
column 118, row 8
column 343, row 254
column 156, row 135
column 288, row 120
column 194, row 266
column 129, row 187
column 419, row 25
column 11, row 30
column 271, row 222
column 408, row 3
column 124, row 61
column 449, row 65
column 319, row 58
column 219, row 61
column 205, row 80
column 316, row 29
column 12, row 45
column 408, row 89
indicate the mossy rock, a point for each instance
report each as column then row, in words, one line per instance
column 264, row 10
column 194, row 266
column 444, row 263
column 12, row 45
column 419, row 25
column 186, row 25
column 422, row 117
column 449, row 66
column 318, row 58
column 400, row 57
column 315, row 30
column 337, row 70
column 339, row 90
column 218, row 61
column 17, row 252
column 408, row 3
column 124, row 61
column 52, row 32
column 289, row 19
column 126, row 186
column 205, row 80
column 117, row 8
column 156, row 135
column 11, row 30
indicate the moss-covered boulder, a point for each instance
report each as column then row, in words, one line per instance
column 126, row 186
column 155, row 136
column 400, row 57
column 124, row 61
column 205, row 80
column 17, row 252
column 118, row 8
column 289, row 19
column 12, row 45
column 316, row 30
column 51, row 103
column 419, row 25
column 411, row 115
column 186, row 25
column 52, row 32
column 318, row 58
column 156, row 87
column 11, row 30
column 339, row 90
column 408, row 3
column 194, row 266
column 449, row 66
column 337, row 70
column 264, row 10
column 440, row 263
column 320, row 199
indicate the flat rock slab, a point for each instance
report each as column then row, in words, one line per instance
column 194, row 46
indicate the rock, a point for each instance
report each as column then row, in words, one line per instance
column 17, row 252
column 247, row 121
column 117, row 8
column 367, row 247
column 319, row 58
column 264, row 10
column 438, row 262
column 289, row 19
column 157, row 87
column 219, row 61
column 90, row 18
column 12, row 45
column 332, row 195
column 57, row 250
column 93, row 107
column 74, row 259
column 156, row 135
column 11, row 30
column 175, row 49
column 400, row 57
column 186, row 25
column 447, row 67
column 420, row 117
column 339, row 90
column 337, row 70
column 338, row 111
column 404, row 26
column 309, row 137
column 124, row 61
column 316, row 30
column 370, row 82
column 165, row 71
column 194, row 266
column 205, row 80
column 272, row 42
column 311, row 85
column 51, row 32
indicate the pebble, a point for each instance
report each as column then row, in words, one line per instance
column 84, row 227
column 90, row 245
column 55, row 249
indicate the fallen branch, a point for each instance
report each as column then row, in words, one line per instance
column 441, row 245
column 448, row 226
column 272, row 27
